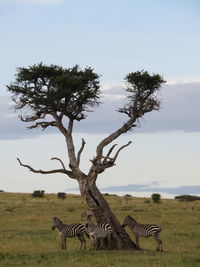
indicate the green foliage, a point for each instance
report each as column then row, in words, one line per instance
column 50, row 89
column 62, row 195
column 156, row 198
column 187, row 198
column 143, row 93
column 38, row 193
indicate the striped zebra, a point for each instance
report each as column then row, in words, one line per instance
column 143, row 230
column 69, row 230
column 98, row 233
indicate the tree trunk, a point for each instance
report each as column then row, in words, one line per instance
column 102, row 212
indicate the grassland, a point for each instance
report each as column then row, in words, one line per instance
column 26, row 238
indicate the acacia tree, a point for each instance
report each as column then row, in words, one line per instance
column 57, row 97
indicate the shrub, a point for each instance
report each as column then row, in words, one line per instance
column 62, row 195
column 147, row 201
column 38, row 193
column 156, row 198
column 187, row 198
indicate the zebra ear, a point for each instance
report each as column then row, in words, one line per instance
column 131, row 218
column 87, row 214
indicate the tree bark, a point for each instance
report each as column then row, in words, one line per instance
column 103, row 214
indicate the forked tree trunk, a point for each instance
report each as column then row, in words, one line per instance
column 102, row 212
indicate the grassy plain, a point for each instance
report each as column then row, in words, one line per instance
column 26, row 238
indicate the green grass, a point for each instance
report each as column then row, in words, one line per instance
column 26, row 238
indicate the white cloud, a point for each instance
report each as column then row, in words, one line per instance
column 32, row 2
column 183, row 81
column 180, row 112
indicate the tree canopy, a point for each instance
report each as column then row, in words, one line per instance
column 52, row 90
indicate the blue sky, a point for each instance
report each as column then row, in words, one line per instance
column 114, row 38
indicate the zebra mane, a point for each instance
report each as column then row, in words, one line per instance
column 56, row 218
column 129, row 217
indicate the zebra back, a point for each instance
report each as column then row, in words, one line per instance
column 99, row 230
column 144, row 230
column 68, row 230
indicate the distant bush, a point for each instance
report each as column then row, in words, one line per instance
column 125, row 208
column 147, row 201
column 156, row 198
column 127, row 195
column 38, row 193
column 62, row 195
column 187, row 198
column 1, row 191
column 112, row 195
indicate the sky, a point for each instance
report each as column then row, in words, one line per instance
column 114, row 38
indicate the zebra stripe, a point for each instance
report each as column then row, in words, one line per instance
column 69, row 230
column 143, row 230
column 98, row 232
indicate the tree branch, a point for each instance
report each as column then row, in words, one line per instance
column 69, row 173
column 43, row 124
column 127, row 126
column 60, row 162
column 108, row 161
column 108, row 154
column 122, row 147
column 80, row 151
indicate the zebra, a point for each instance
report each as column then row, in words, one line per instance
column 144, row 230
column 69, row 230
column 97, row 232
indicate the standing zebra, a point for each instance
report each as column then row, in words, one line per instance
column 97, row 232
column 69, row 230
column 144, row 230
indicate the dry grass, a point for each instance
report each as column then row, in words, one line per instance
column 27, row 238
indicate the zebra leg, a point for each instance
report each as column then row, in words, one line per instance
column 137, row 239
column 63, row 243
column 101, row 246
column 96, row 243
column 82, row 240
column 159, row 241
column 108, row 242
column 92, row 243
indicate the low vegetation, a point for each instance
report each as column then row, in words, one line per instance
column 61, row 195
column 156, row 197
column 27, row 238
column 38, row 193
column 187, row 198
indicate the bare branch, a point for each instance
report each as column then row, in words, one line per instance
column 60, row 162
column 127, row 126
column 80, row 151
column 69, row 173
column 107, row 162
column 108, row 154
column 122, row 147
column 43, row 124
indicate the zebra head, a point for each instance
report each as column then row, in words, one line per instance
column 128, row 220
column 87, row 215
column 56, row 222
